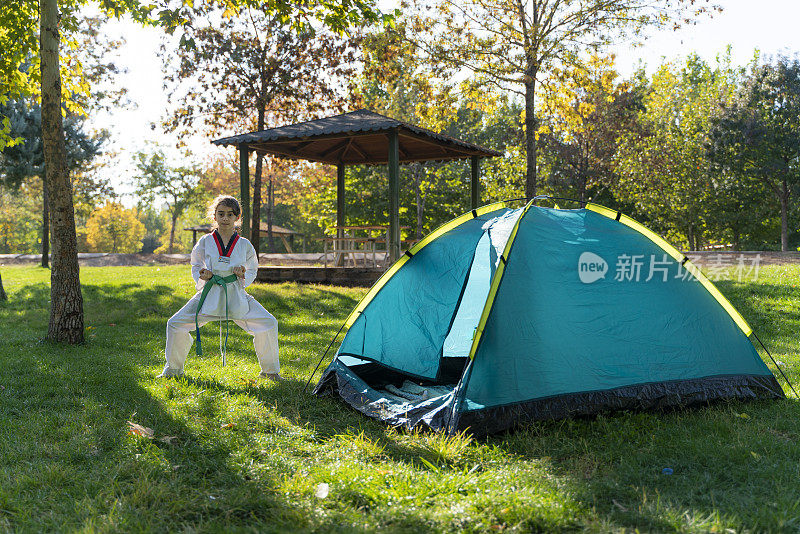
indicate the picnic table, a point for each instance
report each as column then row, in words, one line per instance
column 347, row 244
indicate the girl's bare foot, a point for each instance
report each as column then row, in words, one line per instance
column 275, row 377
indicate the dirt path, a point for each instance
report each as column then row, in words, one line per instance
column 102, row 259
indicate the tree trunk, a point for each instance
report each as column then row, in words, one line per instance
column 270, row 213
column 66, row 300
column 737, row 239
column 171, row 233
column 785, row 217
column 3, row 295
column 418, row 172
column 690, row 236
column 45, row 227
column 255, row 233
column 530, row 136
column 582, row 188
column 255, row 219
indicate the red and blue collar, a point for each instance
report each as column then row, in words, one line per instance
column 223, row 250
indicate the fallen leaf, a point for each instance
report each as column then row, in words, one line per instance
column 167, row 439
column 112, row 324
column 742, row 416
column 322, row 490
column 755, row 455
column 229, row 425
column 618, row 505
column 139, row 430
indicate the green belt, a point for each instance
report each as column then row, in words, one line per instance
column 220, row 281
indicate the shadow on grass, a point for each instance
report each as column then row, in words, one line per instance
column 317, row 299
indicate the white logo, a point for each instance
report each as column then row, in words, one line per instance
column 591, row 267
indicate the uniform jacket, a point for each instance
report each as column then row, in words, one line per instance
column 209, row 253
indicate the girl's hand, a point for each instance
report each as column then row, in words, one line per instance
column 239, row 271
column 205, row 274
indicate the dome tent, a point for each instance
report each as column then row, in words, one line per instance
column 506, row 315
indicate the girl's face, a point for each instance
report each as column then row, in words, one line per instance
column 225, row 217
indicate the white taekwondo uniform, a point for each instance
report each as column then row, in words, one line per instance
column 209, row 253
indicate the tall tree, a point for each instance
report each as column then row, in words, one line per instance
column 157, row 179
column 516, row 44
column 758, row 135
column 252, row 71
column 66, row 300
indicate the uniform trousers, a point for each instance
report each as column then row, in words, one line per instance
column 257, row 322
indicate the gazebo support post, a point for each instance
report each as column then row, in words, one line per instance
column 394, row 196
column 244, row 179
column 340, row 213
column 475, row 182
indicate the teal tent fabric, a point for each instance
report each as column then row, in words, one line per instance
column 496, row 232
column 405, row 326
column 589, row 315
column 550, row 334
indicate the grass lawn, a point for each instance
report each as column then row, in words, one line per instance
column 230, row 453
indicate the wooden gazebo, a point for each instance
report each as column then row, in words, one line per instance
column 356, row 138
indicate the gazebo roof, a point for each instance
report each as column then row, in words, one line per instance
column 358, row 137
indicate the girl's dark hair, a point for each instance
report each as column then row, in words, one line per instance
column 224, row 200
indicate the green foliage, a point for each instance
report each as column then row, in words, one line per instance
column 155, row 223
column 21, row 219
column 158, row 180
column 112, row 228
column 193, row 215
column 586, row 115
column 18, row 41
column 662, row 165
column 87, row 64
column 397, row 82
column 757, row 137
column 25, row 158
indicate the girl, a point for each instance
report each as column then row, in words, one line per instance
column 227, row 263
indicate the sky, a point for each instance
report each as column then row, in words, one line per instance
column 767, row 25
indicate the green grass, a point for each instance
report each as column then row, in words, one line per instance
column 248, row 456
